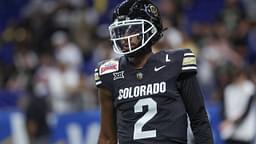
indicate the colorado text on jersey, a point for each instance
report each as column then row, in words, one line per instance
column 142, row 90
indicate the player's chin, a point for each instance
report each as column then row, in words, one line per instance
column 125, row 48
column 135, row 54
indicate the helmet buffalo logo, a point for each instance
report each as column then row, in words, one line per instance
column 153, row 10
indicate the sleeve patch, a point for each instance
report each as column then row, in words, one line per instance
column 109, row 67
column 189, row 61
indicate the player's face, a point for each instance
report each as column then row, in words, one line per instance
column 128, row 37
column 135, row 41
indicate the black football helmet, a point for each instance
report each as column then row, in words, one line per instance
column 136, row 26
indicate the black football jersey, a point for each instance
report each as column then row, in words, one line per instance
column 149, row 107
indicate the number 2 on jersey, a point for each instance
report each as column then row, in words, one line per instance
column 152, row 111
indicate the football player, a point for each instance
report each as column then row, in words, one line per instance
column 145, row 98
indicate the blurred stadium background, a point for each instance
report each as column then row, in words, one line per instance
column 49, row 48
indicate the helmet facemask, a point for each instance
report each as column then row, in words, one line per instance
column 128, row 36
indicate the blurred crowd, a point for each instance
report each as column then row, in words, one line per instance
column 48, row 57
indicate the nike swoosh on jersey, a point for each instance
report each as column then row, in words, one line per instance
column 156, row 69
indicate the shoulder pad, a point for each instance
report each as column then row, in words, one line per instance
column 186, row 59
column 109, row 66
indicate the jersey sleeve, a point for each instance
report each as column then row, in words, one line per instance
column 188, row 64
column 192, row 97
column 194, row 103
